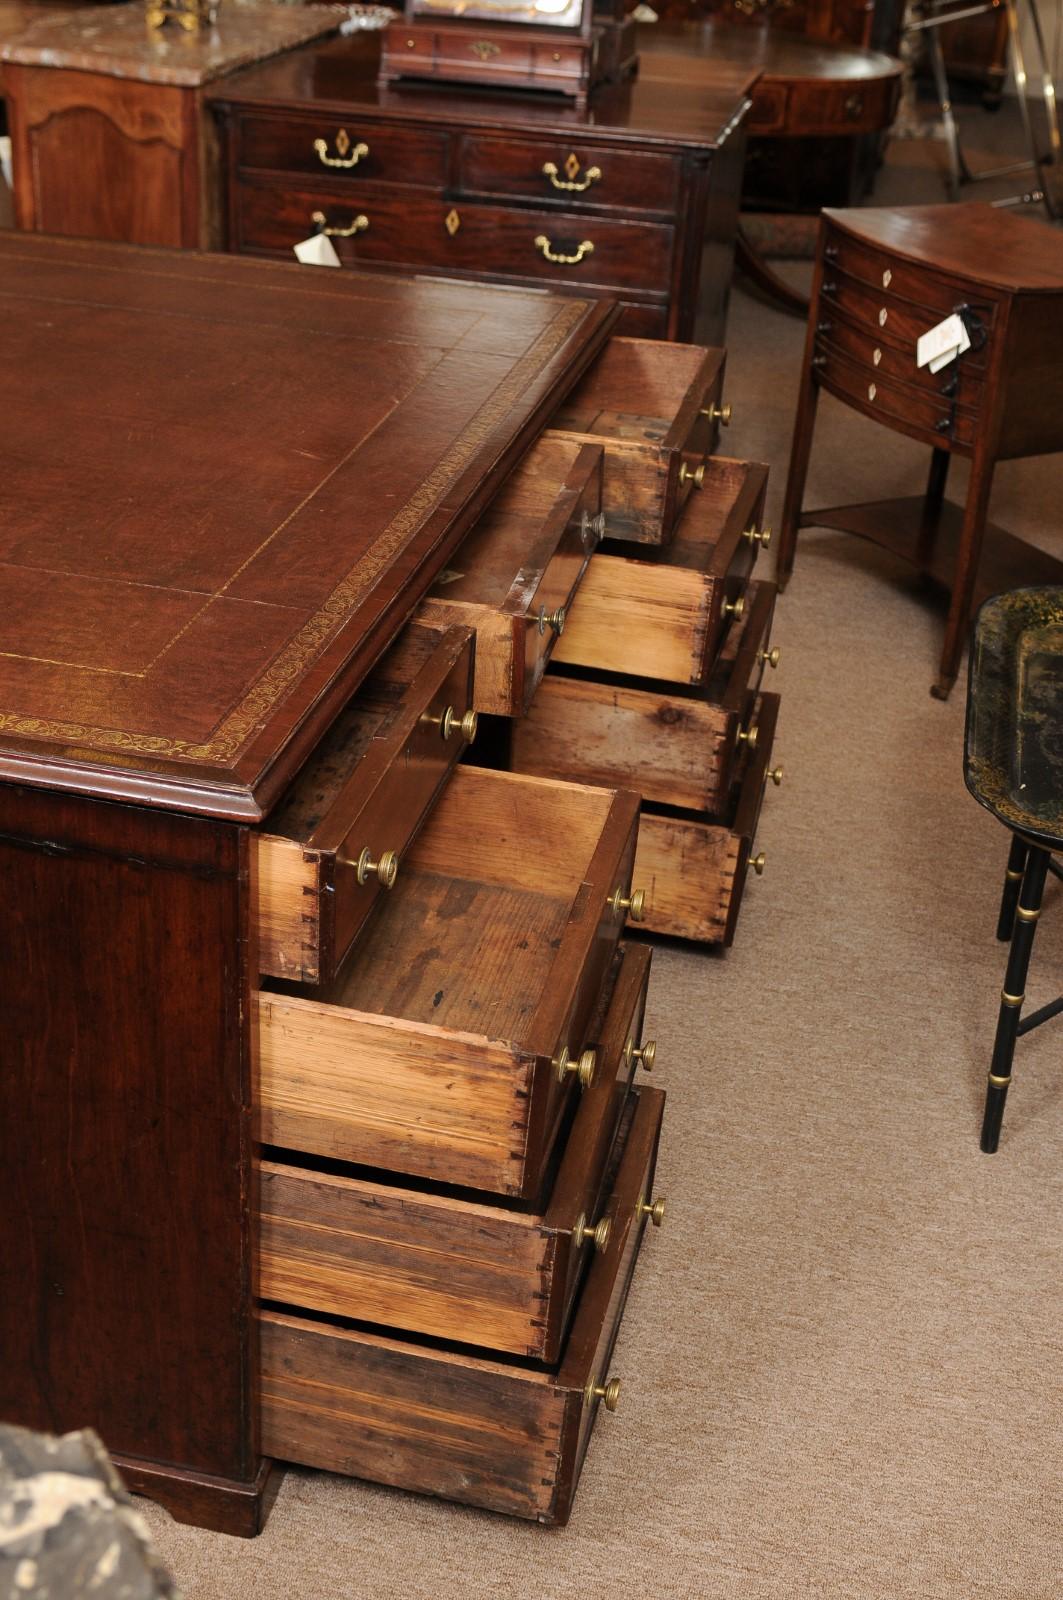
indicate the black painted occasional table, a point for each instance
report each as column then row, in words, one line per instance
column 1013, row 765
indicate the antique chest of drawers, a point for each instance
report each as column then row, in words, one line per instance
column 635, row 197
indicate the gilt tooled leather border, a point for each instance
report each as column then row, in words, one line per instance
column 233, row 732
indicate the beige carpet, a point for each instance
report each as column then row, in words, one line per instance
column 842, row 1359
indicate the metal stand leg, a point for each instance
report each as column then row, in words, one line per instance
column 1012, row 879
column 1013, row 994
column 957, row 172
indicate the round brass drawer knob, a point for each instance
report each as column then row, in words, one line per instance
column 775, row 775
column 634, row 904
column 466, row 725
column 758, row 863
column 717, row 413
column 583, row 1069
column 607, row 1393
column 735, row 608
column 385, row 871
column 694, row 475
column 647, row 1055
column 770, row 658
column 755, row 535
column 552, row 619
column 748, row 736
column 583, row 1233
column 653, row 1210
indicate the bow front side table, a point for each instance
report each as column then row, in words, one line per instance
column 883, row 277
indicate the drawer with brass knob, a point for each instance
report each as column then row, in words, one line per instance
column 679, row 745
column 334, row 843
column 655, row 409
column 433, row 1417
column 514, row 577
column 665, row 611
column 456, row 1035
column 431, row 1262
column 697, row 868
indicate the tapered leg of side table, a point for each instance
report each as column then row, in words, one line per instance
column 963, row 578
column 800, row 451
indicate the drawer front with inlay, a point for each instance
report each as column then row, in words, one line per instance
column 934, row 420
column 431, row 1419
column 931, row 296
column 578, row 176
column 655, row 410
column 881, row 359
column 679, row 746
column 890, row 319
column 417, row 229
column 323, row 147
column 449, row 1045
column 695, row 872
column 326, row 852
column 664, row 614
column 461, row 1270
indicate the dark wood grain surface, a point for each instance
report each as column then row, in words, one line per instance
column 973, row 241
column 225, row 485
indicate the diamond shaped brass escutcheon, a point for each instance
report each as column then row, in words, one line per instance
column 343, row 142
column 452, row 222
column 571, row 167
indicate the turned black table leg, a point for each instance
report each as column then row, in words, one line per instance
column 1012, row 879
column 1025, row 926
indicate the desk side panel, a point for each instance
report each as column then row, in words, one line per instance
column 125, row 1156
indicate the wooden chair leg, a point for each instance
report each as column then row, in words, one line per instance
column 1013, row 994
column 1012, row 879
column 966, row 572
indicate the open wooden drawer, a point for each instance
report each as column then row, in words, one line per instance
column 431, row 1262
column 326, row 851
column 664, row 614
column 515, row 574
column 694, row 871
column 682, row 746
column 449, row 1043
column 484, row 1431
column 655, row 408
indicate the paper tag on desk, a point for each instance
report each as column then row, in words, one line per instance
column 317, row 251
column 940, row 345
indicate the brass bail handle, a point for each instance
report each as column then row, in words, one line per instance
column 584, row 248
column 321, row 225
column 583, row 1233
column 343, row 145
column 645, row 1055
column 385, row 870
column 567, row 1066
column 572, row 185
column 634, row 904
column 607, row 1393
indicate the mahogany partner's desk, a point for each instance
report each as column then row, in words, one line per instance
column 635, row 197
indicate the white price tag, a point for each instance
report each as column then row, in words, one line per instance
column 940, row 345
column 317, row 251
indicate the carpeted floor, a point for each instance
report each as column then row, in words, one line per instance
column 843, row 1355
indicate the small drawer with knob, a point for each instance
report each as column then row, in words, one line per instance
column 695, row 869
column 928, row 294
column 884, row 315
column 656, row 410
column 678, row 745
column 879, row 359
column 516, row 574
column 932, row 419
column 457, row 1034
column 334, row 843
column 665, row 612
column 433, row 1262
column 435, row 1418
